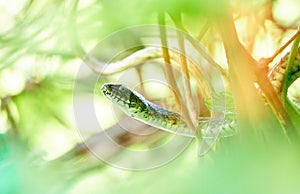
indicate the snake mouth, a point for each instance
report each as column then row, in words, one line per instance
column 106, row 90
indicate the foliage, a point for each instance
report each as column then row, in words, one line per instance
column 42, row 47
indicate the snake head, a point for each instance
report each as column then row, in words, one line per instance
column 129, row 101
column 117, row 93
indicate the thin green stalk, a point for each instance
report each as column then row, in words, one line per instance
column 203, row 31
column 291, row 60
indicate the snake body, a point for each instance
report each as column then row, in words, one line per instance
column 278, row 73
column 137, row 107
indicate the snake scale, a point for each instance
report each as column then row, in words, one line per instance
column 136, row 106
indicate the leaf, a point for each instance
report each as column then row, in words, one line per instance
column 221, row 102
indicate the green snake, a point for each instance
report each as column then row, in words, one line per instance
column 136, row 106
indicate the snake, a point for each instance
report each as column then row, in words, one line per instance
column 278, row 72
column 138, row 107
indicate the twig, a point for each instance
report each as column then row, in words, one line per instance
column 203, row 31
column 166, row 56
column 168, row 69
column 266, row 61
column 244, row 71
column 185, row 70
column 258, row 74
column 10, row 118
column 140, row 77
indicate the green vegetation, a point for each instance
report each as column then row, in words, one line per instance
column 45, row 149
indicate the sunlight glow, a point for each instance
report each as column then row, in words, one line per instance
column 287, row 11
column 58, row 141
column 105, row 113
column 3, row 122
column 11, row 82
column 162, row 90
column 8, row 11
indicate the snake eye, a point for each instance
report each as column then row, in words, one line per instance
column 121, row 88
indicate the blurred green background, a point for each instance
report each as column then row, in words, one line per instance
column 42, row 44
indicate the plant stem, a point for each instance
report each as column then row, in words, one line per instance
column 243, row 74
column 290, row 63
column 169, row 72
column 185, row 69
